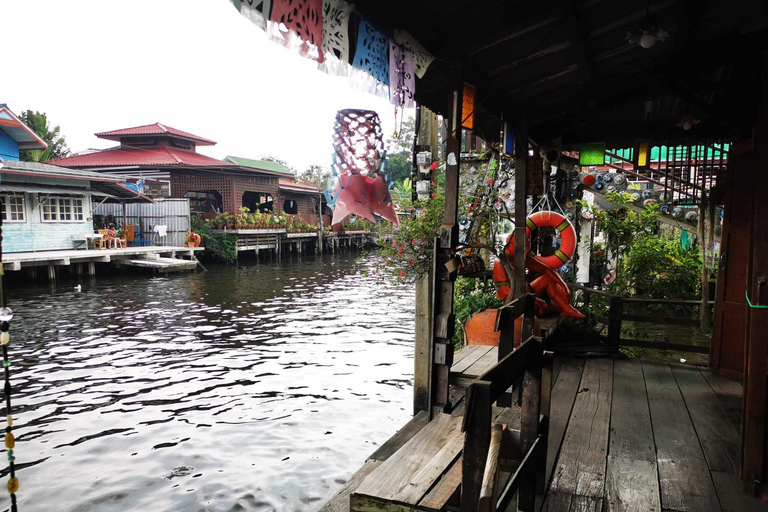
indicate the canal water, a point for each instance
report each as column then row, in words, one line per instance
column 262, row 387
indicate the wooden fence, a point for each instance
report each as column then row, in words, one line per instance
column 616, row 316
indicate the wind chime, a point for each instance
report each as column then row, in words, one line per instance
column 6, row 315
column 360, row 183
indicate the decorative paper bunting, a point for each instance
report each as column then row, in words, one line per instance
column 255, row 10
column 402, row 81
column 335, row 45
column 371, row 58
column 421, row 57
column 302, row 18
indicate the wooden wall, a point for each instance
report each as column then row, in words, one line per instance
column 754, row 449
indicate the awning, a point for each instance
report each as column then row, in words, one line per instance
column 36, row 189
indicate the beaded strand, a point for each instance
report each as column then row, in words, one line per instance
column 5, row 338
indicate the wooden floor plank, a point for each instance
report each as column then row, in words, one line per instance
column 684, row 480
column 474, row 353
column 631, row 432
column 462, row 353
column 729, row 393
column 340, row 501
column 632, row 486
column 580, row 467
column 557, row 502
column 563, row 396
column 718, row 436
column 483, row 364
column 586, row 504
column 564, row 502
column 417, row 461
column 445, row 489
column 732, row 498
column 401, row 437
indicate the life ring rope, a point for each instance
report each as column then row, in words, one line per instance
column 567, row 235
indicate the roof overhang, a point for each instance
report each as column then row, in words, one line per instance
column 52, row 189
column 18, row 131
column 299, row 190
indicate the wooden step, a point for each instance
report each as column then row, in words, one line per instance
column 422, row 475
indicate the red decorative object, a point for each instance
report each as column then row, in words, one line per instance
column 588, row 180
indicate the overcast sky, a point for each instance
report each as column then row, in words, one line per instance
column 196, row 65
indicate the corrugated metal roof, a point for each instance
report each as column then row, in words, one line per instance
column 298, row 185
column 52, row 189
column 154, row 129
column 258, row 164
column 128, row 156
column 41, row 169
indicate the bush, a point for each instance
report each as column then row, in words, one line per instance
column 220, row 245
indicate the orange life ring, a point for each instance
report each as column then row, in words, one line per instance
column 567, row 237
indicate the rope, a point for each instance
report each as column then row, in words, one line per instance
column 753, row 306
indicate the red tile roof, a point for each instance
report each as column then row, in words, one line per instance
column 298, row 185
column 125, row 156
column 154, row 129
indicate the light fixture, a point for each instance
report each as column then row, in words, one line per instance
column 648, row 35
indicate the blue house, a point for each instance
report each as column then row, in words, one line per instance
column 45, row 207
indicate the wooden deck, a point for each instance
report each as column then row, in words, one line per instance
column 474, row 360
column 625, row 435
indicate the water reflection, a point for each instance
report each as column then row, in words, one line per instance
column 258, row 388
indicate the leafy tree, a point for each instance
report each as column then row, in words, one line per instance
column 316, row 174
column 57, row 144
column 399, row 148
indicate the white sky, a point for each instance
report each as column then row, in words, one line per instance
column 195, row 65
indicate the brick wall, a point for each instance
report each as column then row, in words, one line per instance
column 230, row 186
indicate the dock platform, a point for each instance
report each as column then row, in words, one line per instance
column 164, row 258
column 623, row 435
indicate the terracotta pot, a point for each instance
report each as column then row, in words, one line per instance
column 479, row 328
column 191, row 244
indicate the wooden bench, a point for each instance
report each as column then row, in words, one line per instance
column 458, row 463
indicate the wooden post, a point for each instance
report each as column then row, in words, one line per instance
column 702, row 233
column 445, row 250
column 422, row 362
column 529, row 426
column 422, row 359
column 614, row 321
column 476, row 443
column 547, row 376
column 521, row 211
column 91, row 268
column 51, row 272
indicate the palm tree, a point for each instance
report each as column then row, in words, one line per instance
column 57, row 144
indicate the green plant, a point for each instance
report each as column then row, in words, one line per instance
column 220, row 245
column 471, row 296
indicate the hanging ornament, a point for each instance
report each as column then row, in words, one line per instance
column 6, row 315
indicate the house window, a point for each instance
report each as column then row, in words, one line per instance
column 290, row 207
column 62, row 209
column 13, row 208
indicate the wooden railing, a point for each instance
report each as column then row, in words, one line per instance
column 531, row 367
column 616, row 316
